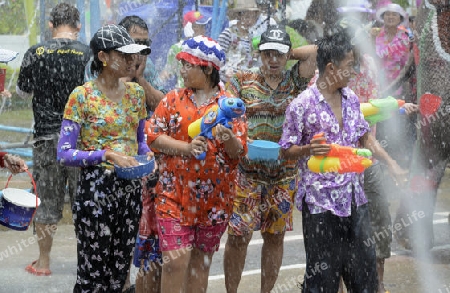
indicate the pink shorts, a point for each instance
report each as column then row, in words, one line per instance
column 173, row 236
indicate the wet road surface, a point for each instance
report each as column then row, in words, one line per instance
column 404, row 272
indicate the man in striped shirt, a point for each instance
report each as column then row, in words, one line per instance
column 246, row 22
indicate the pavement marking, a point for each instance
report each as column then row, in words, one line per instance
column 302, row 265
column 442, row 214
column 300, row 236
column 441, row 221
column 261, row 241
column 258, row 271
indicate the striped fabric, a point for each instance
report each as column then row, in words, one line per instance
column 265, row 111
column 202, row 49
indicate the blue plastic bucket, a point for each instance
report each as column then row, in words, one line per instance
column 17, row 207
column 263, row 150
column 146, row 167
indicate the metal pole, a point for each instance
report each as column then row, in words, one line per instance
column 42, row 20
column 95, row 16
column 30, row 11
column 82, row 33
column 180, row 18
column 215, row 16
column 283, row 13
column 220, row 21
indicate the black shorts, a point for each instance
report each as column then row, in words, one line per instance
column 338, row 246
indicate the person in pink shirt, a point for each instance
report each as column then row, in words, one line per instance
column 392, row 44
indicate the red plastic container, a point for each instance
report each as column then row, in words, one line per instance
column 2, row 79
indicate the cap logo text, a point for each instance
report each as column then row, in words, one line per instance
column 276, row 35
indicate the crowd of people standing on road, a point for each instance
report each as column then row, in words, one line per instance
column 105, row 104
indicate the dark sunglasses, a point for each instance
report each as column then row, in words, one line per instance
column 145, row 42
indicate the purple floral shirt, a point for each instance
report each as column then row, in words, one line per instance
column 310, row 114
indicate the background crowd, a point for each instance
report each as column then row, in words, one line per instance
column 103, row 104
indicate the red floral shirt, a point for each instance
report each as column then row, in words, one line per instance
column 194, row 191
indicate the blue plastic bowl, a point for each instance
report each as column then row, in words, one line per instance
column 263, row 150
column 145, row 168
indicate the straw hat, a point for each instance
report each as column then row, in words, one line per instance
column 242, row 5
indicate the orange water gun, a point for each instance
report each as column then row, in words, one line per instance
column 340, row 159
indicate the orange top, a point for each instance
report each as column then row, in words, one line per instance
column 194, row 191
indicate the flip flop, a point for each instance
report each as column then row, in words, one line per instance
column 37, row 272
column 130, row 289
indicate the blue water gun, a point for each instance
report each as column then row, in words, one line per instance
column 223, row 113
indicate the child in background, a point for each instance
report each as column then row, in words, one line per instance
column 194, row 24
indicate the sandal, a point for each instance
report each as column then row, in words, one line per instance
column 130, row 289
column 37, row 272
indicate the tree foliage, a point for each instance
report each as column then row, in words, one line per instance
column 12, row 18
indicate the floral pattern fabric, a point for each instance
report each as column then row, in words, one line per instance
column 107, row 209
column 194, row 191
column 106, row 215
column 393, row 55
column 308, row 115
column 365, row 83
column 106, row 124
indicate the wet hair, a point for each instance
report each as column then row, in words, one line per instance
column 305, row 28
column 332, row 49
column 300, row 25
column 128, row 22
column 65, row 14
column 214, row 77
column 96, row 65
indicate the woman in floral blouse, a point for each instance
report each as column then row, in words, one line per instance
column 108, row 116
column 195, row 197
column 392, row 43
